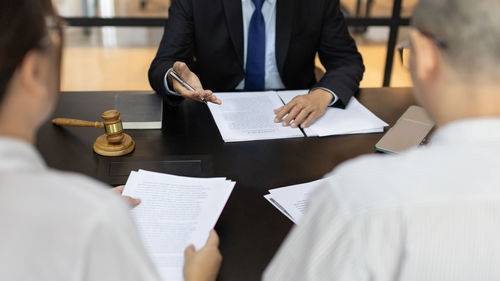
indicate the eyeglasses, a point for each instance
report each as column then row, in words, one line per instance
column 405, row 50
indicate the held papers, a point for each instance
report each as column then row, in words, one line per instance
column 292, row 200
column 174, row 213
column 246, row 116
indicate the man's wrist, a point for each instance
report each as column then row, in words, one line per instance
column 333, row 97
column 325, row 96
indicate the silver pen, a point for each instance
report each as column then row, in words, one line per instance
column 185, row 85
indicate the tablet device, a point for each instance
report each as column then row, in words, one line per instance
column 410, row 130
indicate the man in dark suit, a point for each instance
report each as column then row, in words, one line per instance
column 251, row 45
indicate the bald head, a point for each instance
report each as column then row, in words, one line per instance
column 471, row 31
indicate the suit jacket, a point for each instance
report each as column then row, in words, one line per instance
column 208, row 36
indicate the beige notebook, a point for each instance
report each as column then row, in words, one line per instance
column 409, row 131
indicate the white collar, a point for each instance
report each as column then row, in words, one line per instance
column 473, row 130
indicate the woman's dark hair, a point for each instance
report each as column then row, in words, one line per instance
column 22, row 28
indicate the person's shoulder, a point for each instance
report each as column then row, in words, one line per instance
column 372, row 167
column 65, row 201
column 83, row 192
column 378, row 181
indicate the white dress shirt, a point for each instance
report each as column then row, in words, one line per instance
column 272, row 76
column 432, row 213
column 57, row 226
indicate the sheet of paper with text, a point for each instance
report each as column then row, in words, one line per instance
column 293, row 200
column 246, row 116
column 174, row 213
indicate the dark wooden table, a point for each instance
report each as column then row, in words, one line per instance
column 251, row 229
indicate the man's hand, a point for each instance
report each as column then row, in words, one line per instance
column 193, row 81
column 304, row 110
column 204, row 264
column 132, row 201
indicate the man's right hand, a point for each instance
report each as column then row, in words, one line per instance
column 190, row 78
column 203, row 265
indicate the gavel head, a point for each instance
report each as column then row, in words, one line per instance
column 114, row 142
column 113, row 126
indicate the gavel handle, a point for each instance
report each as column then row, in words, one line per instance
column 76, row 123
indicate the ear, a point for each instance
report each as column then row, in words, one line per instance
column 425, row 57
column 32, row 75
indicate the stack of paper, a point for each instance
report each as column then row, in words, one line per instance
column 247, row 116
column 292, row 200
column 174, row 213
column 354, row 119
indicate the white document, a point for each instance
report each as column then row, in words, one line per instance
column 354, row 119
column 293, row 200
column 246, row 116
column 174, row 213
column 279, row 207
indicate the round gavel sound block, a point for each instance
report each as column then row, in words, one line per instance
column 114, row 142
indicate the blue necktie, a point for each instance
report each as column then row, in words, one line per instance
column 256, row 50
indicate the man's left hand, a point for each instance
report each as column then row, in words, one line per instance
column 304, row 110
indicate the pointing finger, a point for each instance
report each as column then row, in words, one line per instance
column 213, row 99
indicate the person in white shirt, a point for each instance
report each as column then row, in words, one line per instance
column 433, row 212
column 53, row 225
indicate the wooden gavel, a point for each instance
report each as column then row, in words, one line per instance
column 114, row 142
